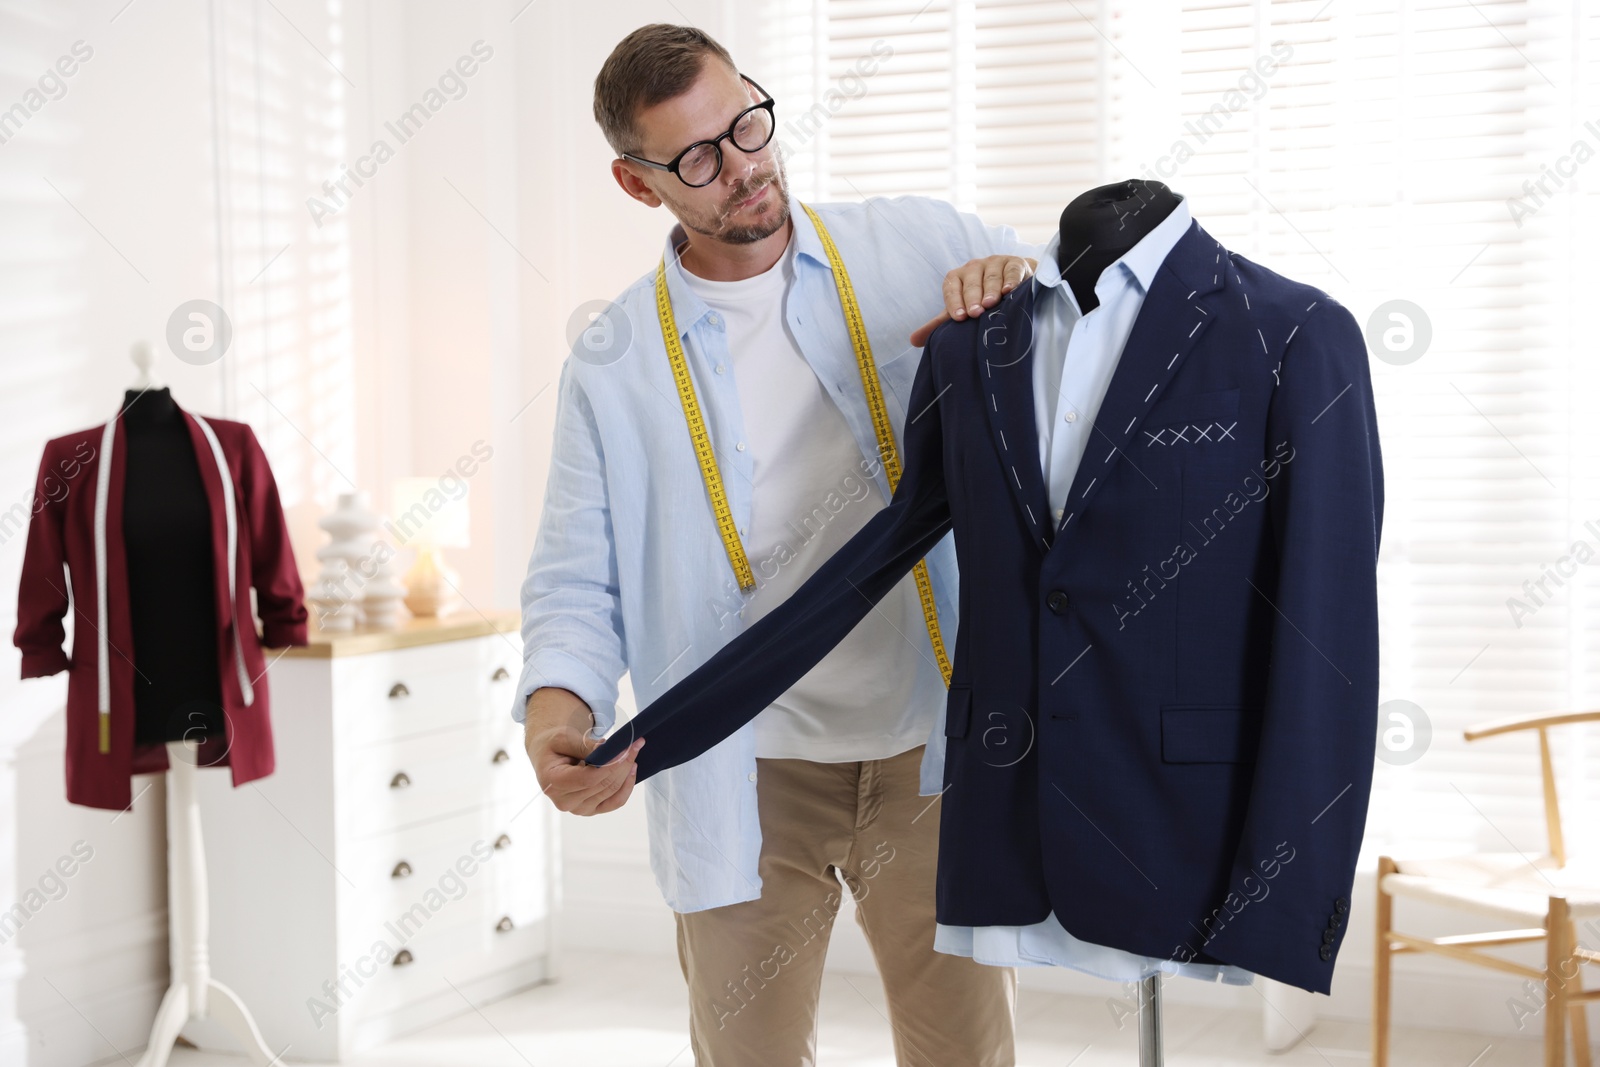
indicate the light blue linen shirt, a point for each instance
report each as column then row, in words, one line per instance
column 1074, row 357
column 628, row 571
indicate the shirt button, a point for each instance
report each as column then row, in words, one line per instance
column 719, row 368
column 712, row 319
column 740, row 446
column 1072, row 416
column 752, row 776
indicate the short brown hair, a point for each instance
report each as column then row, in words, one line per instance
column 653, row 63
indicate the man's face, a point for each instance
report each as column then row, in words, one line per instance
column 721, row 210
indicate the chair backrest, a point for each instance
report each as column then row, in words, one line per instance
column 1541, row 723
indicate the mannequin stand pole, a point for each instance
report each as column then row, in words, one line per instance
column 193, row 994
column 1150, row 1021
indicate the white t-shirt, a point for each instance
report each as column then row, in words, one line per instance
column 876, row 693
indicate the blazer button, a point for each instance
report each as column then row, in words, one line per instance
column 1057, row 600
column 1328, row 936
column 1341, row 905
column 1334, row 922
column 1327, row 952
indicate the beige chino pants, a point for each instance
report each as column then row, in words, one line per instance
column 754, row 969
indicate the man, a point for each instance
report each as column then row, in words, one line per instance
column 692, row 488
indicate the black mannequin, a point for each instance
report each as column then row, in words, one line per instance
column 1102, row 224
column 166, row 530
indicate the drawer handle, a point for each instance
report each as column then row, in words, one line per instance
column 499, row 756
column 400, row 781
column 500, row 674
column 401, row 870
column 398, row 690
column 502, row 842
column 403, row 958
column 504, row 925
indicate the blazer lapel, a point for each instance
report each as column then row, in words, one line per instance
column 1171, row 320
column 1005, row 345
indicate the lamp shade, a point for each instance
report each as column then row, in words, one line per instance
column 430, row 512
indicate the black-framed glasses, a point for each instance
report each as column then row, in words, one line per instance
column 701, row 162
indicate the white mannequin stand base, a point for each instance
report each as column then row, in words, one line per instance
column 194, row 994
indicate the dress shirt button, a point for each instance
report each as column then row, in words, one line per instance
column 1071, row 416
column 719, row 368
column 1327, row 952
column 712, row 318
column 740, row 446
column 1057, row 600
column 752, row 776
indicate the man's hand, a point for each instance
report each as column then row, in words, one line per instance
column 556, row 735
column 974, row 286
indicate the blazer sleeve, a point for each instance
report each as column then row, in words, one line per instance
column 1292, row 876
column 280, row 598
column 42, row 600
column 752, row 670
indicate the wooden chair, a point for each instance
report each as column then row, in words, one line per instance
column 1547, row 897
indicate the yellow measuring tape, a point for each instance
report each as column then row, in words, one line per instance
column 880, row 425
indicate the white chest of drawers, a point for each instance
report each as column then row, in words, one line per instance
column 399, row 866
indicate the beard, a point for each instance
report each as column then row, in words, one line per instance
column 768, row 216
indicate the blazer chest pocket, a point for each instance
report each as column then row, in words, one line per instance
column 1193, row 420
column 958, row 711
column 1209, row 733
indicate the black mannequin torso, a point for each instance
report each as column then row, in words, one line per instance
column 1102, row 224
column 166, row 530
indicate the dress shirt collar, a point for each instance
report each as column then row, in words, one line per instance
column 687, row 306
column 1142, row 260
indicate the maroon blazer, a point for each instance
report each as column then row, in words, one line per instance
column 61, row 550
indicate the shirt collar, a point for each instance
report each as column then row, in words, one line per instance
column 1142, row 260
column 687, row 307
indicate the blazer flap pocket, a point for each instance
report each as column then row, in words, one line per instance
column 1209, row 733
column 958, row 711
column 1194, row 407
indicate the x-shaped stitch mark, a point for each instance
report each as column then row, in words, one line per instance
column 1227, row 431
column 1203, row 433
column 1155, row 438
column 1181, row 435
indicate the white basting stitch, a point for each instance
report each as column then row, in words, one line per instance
column 1030, row 514
column 1292, row 332
column 1133, row 420
column 1264, row 349
column 1110, row 454
column 1191, row 294
column 1151, row 393
column 1247, row 301
column 1173, row 360
column 1196, row 327
column 1089, row 487
column 1015, row 478
column 1003, row 444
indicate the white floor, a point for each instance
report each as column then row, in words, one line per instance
column 560, row 1025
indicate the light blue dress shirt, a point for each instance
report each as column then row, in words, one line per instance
column 628, row 571
column 1074, row 356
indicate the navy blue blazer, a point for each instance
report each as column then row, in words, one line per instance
column 1162, row 716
